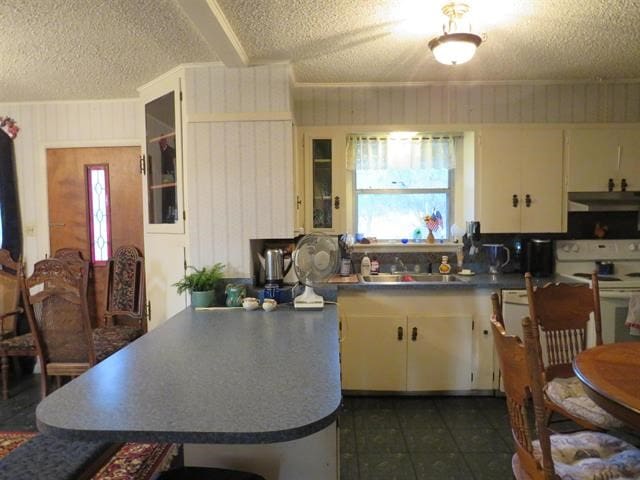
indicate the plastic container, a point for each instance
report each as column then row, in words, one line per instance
column 375, row 266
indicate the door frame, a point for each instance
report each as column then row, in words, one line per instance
column 41, row 188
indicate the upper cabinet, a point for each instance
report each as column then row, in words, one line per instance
column 603, row 159
column 324, row 166
column 520, row 180
column 162, row 163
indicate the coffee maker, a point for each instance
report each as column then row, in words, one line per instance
column 540, row 257
column 273, row 264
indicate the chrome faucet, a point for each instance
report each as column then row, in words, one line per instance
column 399, row 265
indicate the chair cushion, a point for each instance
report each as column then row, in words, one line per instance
column 590, row 455
column 21, row 342
column 569, row 394
column 108, row 340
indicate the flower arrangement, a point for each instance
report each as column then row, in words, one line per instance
column 433, row 223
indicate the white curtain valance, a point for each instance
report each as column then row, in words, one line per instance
column 380, row 152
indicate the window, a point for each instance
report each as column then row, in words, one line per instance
column 399, row 179
column 99, row 212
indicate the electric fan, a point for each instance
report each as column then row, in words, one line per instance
column 315, row 259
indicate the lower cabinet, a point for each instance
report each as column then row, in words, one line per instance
column 389, row 345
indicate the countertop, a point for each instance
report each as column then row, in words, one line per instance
column 507, row 281
column 209, row 377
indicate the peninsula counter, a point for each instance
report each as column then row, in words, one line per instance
column 217, row 377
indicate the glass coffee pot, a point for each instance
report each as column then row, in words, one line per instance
column 496, row 255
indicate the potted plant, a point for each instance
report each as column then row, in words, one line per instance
column 201, row 284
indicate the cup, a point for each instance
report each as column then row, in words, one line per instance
column 269, row 304
column 250, row 303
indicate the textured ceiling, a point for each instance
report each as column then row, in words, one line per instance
column 362, row 40
column 81, row 49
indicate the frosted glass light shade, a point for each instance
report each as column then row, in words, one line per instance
column 455, row 48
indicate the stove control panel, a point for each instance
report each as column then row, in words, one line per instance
column 578, row 250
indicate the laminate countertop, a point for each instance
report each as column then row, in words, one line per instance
column 225, row 376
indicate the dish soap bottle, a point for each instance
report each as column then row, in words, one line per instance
column 365, row 265
column 444, row 267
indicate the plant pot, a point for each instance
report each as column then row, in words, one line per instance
column 203, row 299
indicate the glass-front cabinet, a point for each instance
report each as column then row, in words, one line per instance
column 162, row 164
column 325, row 201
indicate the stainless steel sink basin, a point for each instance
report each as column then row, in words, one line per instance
column 410, row 278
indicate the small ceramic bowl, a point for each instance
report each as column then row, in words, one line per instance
column 250, row 303
column 269, row 304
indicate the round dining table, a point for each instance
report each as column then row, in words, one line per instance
column 610, row 374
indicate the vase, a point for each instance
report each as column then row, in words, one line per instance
column 203, row 299
column 431, row 238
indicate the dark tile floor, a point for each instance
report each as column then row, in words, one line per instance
column 398, row 438
column 390, row 438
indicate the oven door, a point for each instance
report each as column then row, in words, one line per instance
column 614, row 306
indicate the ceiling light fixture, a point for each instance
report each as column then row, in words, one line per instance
column 455, row 47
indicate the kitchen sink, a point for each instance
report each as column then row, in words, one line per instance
column 410, row 278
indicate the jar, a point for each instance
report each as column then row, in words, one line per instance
column 444, row 268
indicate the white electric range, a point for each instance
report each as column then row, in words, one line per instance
column 577, row 259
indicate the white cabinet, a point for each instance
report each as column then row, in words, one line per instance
column 599, row 159
column 520, row 180
column 324, row 189
column 374, row 352
column 389, row 343
column 439, row 352
column 164, row 235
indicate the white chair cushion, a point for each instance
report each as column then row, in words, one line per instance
column 570, row 395
column 590, row 455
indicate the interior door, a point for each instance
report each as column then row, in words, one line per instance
column 70, row 223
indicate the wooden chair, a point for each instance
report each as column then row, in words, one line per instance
column 58, row 316
column 582, row 455
column 560, row 312
column 126, row 293
column 496, row 303
column 9, row 295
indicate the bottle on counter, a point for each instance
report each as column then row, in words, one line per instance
column 365, row 265
column 375, row 266
column 444, row 267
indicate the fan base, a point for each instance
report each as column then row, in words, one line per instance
column 302, row 305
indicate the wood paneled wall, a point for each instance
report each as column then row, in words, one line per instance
column 468, row 104
column 61, row 124
column 238, row 165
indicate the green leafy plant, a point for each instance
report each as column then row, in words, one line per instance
column 201, row 280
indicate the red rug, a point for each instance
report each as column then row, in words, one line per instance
column 134, row 461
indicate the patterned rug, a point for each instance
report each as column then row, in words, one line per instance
column 134, row 461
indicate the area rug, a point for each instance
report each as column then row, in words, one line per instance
column 134, row 461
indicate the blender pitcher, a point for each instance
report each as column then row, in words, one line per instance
column 496, row 256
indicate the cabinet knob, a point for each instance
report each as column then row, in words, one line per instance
column 527, row 200
column 298, row 202
column 485, row 332
column 611, row 185
column 515, row 200
column 414, row 334
column 623, row 185
column 400, row 333
column 336, row 202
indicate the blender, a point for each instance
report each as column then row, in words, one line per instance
column 496, row 255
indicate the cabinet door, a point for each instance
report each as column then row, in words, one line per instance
column 541, row 180
column 629, row 158
column 163, row 210
column 499, row 180
column 592, row 155
column 374, row 349
column 439, row 352
column 324, row 174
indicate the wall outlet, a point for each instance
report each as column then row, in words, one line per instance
column 30, row 230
